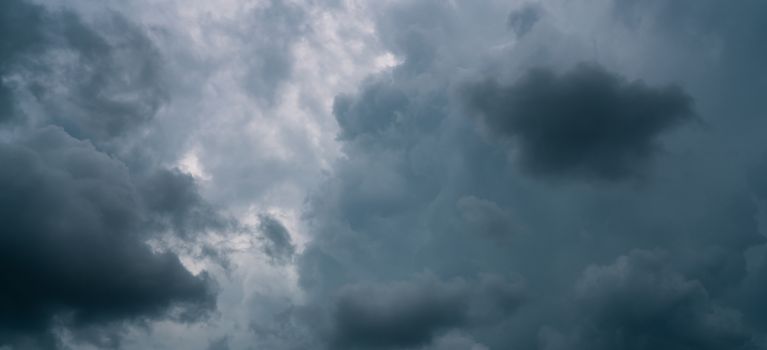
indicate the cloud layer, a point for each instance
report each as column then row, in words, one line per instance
column 403, row 175
column 586, row 123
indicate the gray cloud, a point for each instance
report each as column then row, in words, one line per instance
column 221, row 343
column 19, row 32
column 77, row 210
column 639, row 302
column 277, row 242
column 411, row 313
column 70, row 71
column 586, row 122
column 486, row 218
column 419, row 235
column 175, row 203
column 73, row 242
column 271, row 61
column 524, row 18
column 372, row 112
column 420, row 178
column 396, row 316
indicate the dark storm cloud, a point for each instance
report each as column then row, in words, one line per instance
column 639, row 302
column 76, row 212
column 421, row 188
column 72, row 242
column 19, row 32
column 175, row 203
column 87, row 98
column 70, row 70
column 411, row 313
column 277, row 242
column 585, row 123
column 398, row 316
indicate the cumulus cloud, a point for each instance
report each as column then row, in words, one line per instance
column 639, row 302
column 412, row 313
column 77, row 211
column 586, row 122
column 68, row 69
column 72, row 243
column 372, row 112
column 174, row 201
column 408, row 154
column 422, row 187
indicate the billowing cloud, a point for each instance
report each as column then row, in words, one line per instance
column 271, row 60
column 72, row 242
column 586, row 122
column 441, row 160
column 68, row 69
column 638, row 302
column 411, row 313
column 396, row 316
column 403, row 175
column 78, row 213
column 372, row 112
column 174, row 200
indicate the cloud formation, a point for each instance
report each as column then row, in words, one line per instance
column 403, row 175
column 585, row 123
column 442, row 157
column 277, row 242
column 524, row 18
column 411, row 313
column 69, row 68
column 638, row 302
column 77, row 213
column 72, row 242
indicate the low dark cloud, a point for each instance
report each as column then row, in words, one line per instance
column 85, row 96
column 412, row 313
column 421, row 188
column 175, row 204
column 277, row 242
column 76, row 213
column 19, row 32
column 69, row 70
column 586, row 123
column 73, row 242
column 640, row 302
column 417, row 234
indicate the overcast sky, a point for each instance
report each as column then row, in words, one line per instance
column 383, row 175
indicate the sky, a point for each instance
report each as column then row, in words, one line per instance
column 383, row 175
